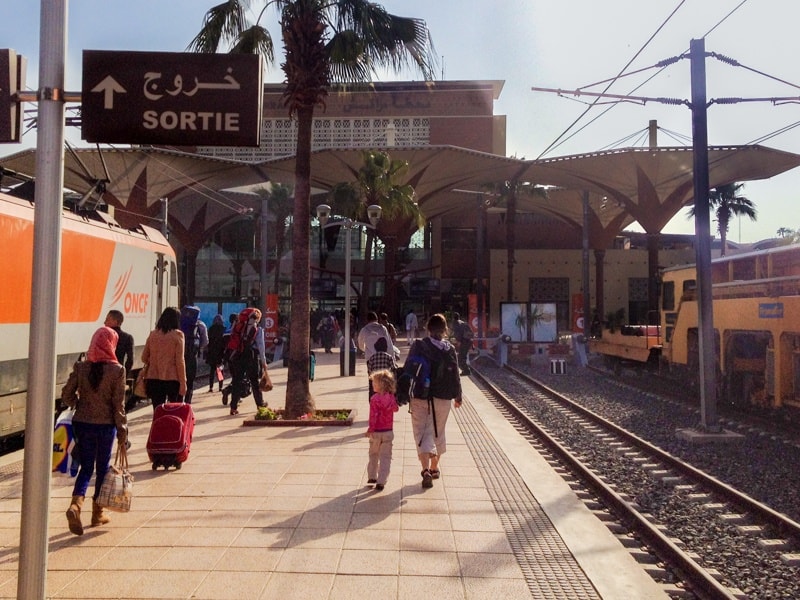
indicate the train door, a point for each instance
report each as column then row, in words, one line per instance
column 747, row 369
column 165, row 285
column 789, row 370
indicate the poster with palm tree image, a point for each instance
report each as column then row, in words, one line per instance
column 544, row 324
column 514, row 321
column 529, row 322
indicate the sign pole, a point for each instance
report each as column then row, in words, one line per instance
column 32, row 573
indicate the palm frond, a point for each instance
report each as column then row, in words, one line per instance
column 222, row 23
column 388, row 40
column 255, row 40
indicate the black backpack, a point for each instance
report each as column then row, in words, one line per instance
column 445, row 376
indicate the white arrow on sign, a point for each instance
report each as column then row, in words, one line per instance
column 108, row 86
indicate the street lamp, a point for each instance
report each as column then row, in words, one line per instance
column 323, row 214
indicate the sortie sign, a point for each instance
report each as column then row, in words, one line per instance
column 171, row 98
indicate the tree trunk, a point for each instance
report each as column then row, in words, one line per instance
column 298, row 396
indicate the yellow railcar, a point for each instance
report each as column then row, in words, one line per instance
column 756, row 316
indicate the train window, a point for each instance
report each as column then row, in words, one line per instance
column 668, row 295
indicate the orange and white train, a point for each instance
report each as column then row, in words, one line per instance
column 103, row 267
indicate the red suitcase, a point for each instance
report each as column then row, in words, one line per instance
column 170, row 435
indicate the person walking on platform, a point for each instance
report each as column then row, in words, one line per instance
column 370, row 333
column 411, row 326
column 125, row 346
column 383, row 318
column 247, row 367
column 430, row 402
column 327, row 331
column 96, row 390
column 463, row 334
column 164, row 356
column 382, row 406
column 215, row 351
column 380, row 360
column 195, row 335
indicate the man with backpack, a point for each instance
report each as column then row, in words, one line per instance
column 247, row 359
column 430, row 382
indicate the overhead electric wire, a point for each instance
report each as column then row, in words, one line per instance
column 558, row 141
column 635, row 56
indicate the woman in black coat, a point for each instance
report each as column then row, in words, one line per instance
column 216, row 349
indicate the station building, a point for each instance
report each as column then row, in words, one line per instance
column 440, row 264
column 234, row 245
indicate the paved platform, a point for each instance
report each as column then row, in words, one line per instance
column 285, row 513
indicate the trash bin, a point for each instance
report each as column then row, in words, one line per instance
column 352, row 360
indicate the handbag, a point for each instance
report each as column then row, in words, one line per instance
column 140, row 387
column 116, row 492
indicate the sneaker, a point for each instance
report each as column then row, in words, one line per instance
column 371, row 481
column 435, row 473
column 379, row 487
column 427, row 479
column 224, row 398
column 234, row 411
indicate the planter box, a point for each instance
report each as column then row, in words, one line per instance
column 305, row 422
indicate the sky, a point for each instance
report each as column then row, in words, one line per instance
column 564, row 44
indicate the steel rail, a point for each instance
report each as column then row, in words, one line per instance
column 701, row 581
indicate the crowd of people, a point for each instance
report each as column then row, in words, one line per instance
column 96, row 387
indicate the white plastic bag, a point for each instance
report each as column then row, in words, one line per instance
column 64, row 444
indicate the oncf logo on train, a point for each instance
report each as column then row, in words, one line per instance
column 133, row 303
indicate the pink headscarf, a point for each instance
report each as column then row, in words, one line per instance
column 103, row 345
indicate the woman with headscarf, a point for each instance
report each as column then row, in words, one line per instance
column 216, row 348
column 163, row 355
column 96, row 390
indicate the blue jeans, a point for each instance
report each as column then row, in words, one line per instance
column 94, row 447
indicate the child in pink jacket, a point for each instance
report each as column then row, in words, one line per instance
column 382, row 406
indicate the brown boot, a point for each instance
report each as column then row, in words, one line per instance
column 98, row 518
column 74, row 515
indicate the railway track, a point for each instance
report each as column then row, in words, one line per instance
column 685, row 517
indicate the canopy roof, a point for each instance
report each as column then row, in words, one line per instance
column 648, row 185
column 653, row 184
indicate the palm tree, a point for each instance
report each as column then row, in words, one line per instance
column 324, row 41
column 378, row 182
column 726, row 202
column 506, row 193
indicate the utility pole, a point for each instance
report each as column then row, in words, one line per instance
column 702, row 228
